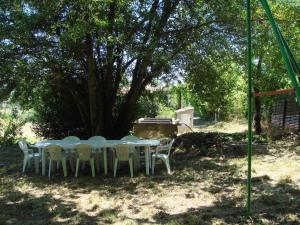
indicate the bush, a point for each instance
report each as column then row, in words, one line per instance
column 11, row 124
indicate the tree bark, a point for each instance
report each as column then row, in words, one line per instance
column 92, row 87
column 127, row 112
column 108, row 98
column 257, row 116
column 257, row 100
column 179, row 98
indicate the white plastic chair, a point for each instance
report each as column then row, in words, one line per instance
column 85, row 153
column 29, row 155
column 71, row 138
column 123, row 153
column 57, row 154
column 137, row 154
column 97, row 157
column 164, row 157
column 70, row 155
column 129, row 138
column 97, row 138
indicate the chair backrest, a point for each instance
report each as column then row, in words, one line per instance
column 123, row 152
column 97, row 138
column 84, row 151
column 166, row 147
column 71, row 138
column 55, row 152
column 23, row 145
column 129, row 138
column 170, row 146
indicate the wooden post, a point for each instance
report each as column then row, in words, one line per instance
column 299, row 119
column 284, row 113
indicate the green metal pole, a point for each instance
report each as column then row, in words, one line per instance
column 249, row 53
column 283, row 50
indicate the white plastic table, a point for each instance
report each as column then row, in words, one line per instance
column 97, row 146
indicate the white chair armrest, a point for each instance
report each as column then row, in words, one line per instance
column 30, row 150
column 161, row 148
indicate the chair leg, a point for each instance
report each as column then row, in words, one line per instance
column 24, row 163
column 169, row 166
column 36, row 164
column 131, row 167
column 115, row 167
column 71, row 159
column 77, row 167
column 28, row 162
column 83, row 165
column 53, row 166
column 153, row 164
column 136, row 159
column 150, row 159
column 97, row 159
column 57, row 165
column 64, row 166
column 167, row 163
column 50, row 167
column 92, row 161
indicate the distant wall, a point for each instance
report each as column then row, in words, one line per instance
column 186, row 115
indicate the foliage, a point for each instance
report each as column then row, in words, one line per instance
column 84, row 66
column 273, row 74
column 166, row 112
column 270, row 72
column 54, row 116
column 11, row 121
column 220, row 91
column 86, row 53
column 216, row 78
column 147, row 105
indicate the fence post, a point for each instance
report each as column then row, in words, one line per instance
column 299, row 119
column 284, row 113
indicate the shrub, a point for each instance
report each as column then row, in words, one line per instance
column 11, row 124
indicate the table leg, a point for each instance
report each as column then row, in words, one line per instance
column 97, row 160
column 105, row 160
column 43, row 162
column 36, row 165
column 147, row 159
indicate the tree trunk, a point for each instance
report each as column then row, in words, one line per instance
column 92, row 87
column 127, row 112
column 179, row 98
column 257, row 116
column 257, row 100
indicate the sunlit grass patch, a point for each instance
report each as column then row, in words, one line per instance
column 225, row 127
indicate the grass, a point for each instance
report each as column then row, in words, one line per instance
column 201, row 190
column 224, row 127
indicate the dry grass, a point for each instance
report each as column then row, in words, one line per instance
column 201, row 190
column 235, row 126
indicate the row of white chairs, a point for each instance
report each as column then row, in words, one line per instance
column 122, row 152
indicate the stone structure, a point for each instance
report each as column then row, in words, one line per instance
column 155, row 128
column 185, row 116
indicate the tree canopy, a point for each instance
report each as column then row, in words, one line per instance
column 84, row 65
column 91, row 60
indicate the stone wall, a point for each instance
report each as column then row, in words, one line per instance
column 154, row 130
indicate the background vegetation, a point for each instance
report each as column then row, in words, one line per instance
column 94, row 73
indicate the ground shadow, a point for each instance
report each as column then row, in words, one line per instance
column 275, row 202
column 272, row 204
column 24, row 208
